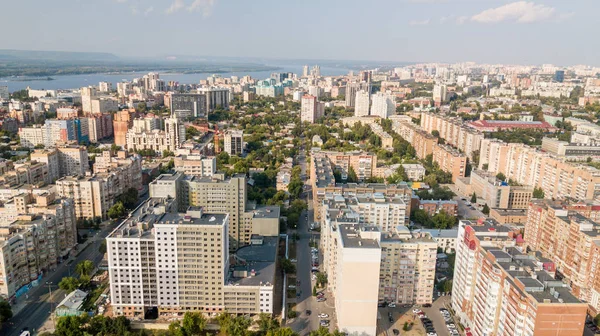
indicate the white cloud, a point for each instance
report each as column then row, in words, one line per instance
column 149, row 10
column 203, row 6
column 521, row 12
column 419, row 23
column 134, row 10
column 176, row 6
column 462, row 19
column 121, row 1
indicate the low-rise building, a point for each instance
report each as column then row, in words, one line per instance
column 415, row 172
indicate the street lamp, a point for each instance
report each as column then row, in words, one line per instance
column 49, row 284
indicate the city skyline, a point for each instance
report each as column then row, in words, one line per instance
column 506, row 32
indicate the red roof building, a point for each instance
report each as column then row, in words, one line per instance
column 496, row 125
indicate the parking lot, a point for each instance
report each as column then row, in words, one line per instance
column 435, row 319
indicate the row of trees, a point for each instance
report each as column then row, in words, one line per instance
column 193, row 324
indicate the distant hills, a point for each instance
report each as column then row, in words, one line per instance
column 15, row 55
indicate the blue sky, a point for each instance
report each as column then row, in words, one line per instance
column 562, row 32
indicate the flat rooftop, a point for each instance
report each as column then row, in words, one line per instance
column 180, row 218
column 352, row 236
column 258, row 258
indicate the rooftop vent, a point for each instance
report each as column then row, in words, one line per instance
column 212, row 219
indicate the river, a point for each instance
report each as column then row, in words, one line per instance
column 77, row 81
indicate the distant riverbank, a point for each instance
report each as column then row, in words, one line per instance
column 81, row 80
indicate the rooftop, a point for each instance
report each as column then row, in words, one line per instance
column 357, row 236
column 259, row 258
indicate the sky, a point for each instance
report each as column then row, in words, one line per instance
column 561, row 32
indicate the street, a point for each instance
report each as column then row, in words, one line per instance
column 37, row 306
column 304, row 324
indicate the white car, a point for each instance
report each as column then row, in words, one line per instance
column 431, row 334
column 392, row 305
column 416, row 311
column 293, row 260
column 323, row 315
column 451, row 326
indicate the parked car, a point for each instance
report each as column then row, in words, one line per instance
column 381, row 305
column 391, row 319
column 321, row 299
column 396, row 331
column 323, row 315
column 392, row 305
column 416, row 311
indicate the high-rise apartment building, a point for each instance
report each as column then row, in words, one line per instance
column 367, row 265
column 500, row 290
column 454, row 131
column 37, row 231
column 234, row 142
column 362, row 103
column 94, row 195
column 178, row 262
column 63, row 161
column 188, row 105
column 529, row 166
column 440, row 93
column 384, row 105
column 123, row 120
column 311, row 109
column 571, row 241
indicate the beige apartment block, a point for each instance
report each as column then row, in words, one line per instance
column 454, row 131
column 95, row 194
column 367, row 265
column 36, row 232
column 179, row 262
column 530, row 167
column 498, row 194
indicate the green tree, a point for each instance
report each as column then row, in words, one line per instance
column 193, row 324
column 117, row 210
column 422, row 217
column 5, row 312
column 314, row 291
column 486, row 209
column 538, row 193
column 167, row 153
column 501, row 177
column 70, row 326
column 442, row 220
column 287, row 266
column 321, row 279
column 69, row 284
column 267, row 323
column 102, row 247
column 282, row 332
column 84, row 268
column 352, row 175
column 474, row 198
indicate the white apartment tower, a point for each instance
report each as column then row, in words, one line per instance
column 384, row 105
column 234, row 142
column 362, row 102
